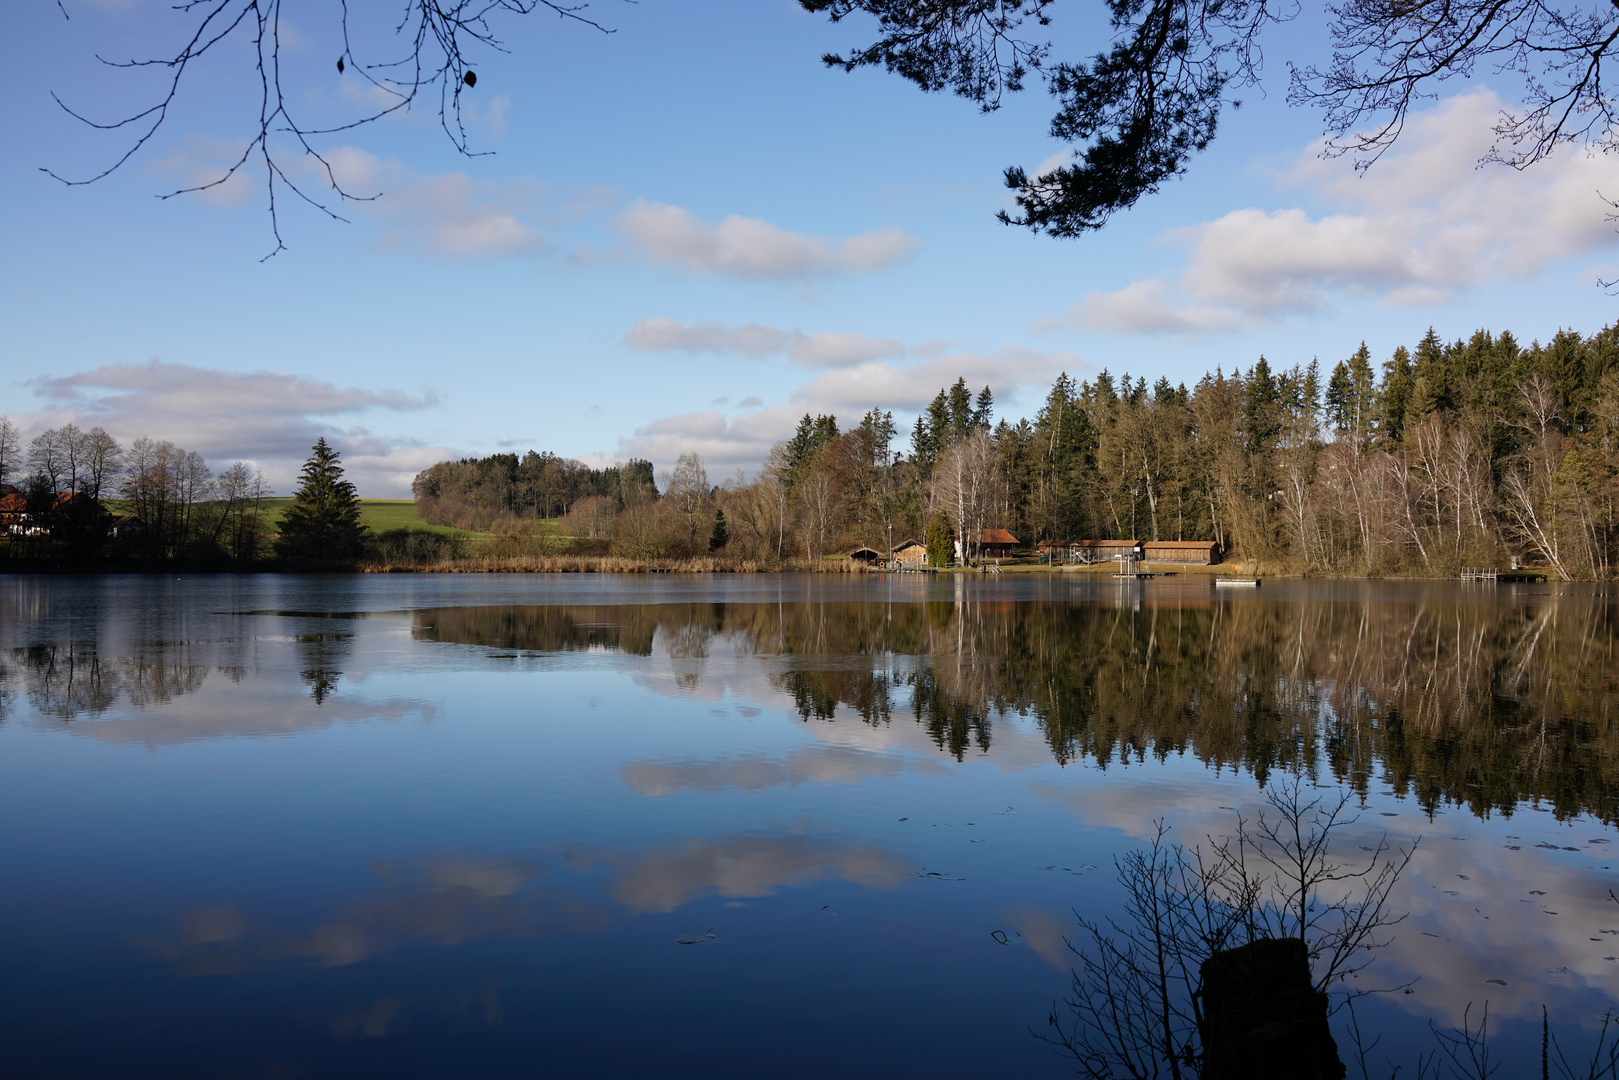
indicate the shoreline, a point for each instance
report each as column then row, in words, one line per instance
column 586, row 564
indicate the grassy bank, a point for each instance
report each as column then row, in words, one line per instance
column 378, row 515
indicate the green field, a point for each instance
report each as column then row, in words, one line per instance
column 379, row 515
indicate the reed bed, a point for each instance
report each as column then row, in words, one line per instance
column 605, row 564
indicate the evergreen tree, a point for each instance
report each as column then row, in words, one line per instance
column 720, row 536
column 877, row 427
column 813, row 435
column 1262, row 416
column 935, row 425
column 1340, row 399
column 984, row 409
column 323, row 521
column 1397, row 391
column 1363, row 383
column 941, row 541
column 923, row 442
column 961, row 412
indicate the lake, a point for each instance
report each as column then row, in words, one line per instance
column 346, row 826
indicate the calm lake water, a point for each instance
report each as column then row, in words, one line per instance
column 280, row 826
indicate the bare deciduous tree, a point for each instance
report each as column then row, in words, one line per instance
column 431, row 43
column 962, row 481
column 10, row 447
column 687, row 489
column 1136, row 1001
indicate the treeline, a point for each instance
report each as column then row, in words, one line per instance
column 1475, row 705
column 81, row 496
column 484, row 494
column 1442, row 455
column 1449, row 703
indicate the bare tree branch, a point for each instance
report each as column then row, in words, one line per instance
column 437, row 38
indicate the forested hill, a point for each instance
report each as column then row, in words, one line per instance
column 475, row 493
column 1438, row 456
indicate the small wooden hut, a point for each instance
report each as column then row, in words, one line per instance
column 910, row 553
column 866, row 555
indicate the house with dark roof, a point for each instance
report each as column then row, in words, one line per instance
column 13, row 509
column 987, row 542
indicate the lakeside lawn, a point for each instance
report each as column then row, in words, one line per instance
column 378, row 515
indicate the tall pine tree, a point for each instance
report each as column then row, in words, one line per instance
column 323, row 521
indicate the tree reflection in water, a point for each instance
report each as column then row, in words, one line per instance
column 69, row 680
column 1483, row 705
column 321, row 661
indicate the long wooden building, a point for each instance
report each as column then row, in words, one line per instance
column 1191, row 552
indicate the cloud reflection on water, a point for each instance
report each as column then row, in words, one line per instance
column 449, row 900
column 750, row 867
column 457, row 898
column 812, row 765
column 1475, row 909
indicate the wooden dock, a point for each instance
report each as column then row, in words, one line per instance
column 1491, row 575
column 1236, row 583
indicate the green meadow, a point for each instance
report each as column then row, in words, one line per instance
column 378, row 515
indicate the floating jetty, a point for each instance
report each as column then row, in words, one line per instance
column 1492, row 575
column 1236, row 583
column 1129, row 570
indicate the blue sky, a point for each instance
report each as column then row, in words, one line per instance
column 689, row 233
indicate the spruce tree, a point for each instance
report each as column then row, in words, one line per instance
column 323, row 521
column 940, row 542
column 721, row 535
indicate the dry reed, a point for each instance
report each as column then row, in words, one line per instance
column 605, row 564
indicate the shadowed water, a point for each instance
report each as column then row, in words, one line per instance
column 284, row 826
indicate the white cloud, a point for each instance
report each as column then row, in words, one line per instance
column 752, row 249
column 446, row 215
column 450, row 214
column 743, row 441
column 724, row 444
column 1052, row 164
column 201, row 163
column 269, row 419
column 1424, row 223
column 1144, row 308
column 910, row 387
column 822, row 350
